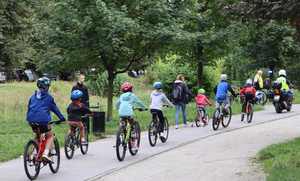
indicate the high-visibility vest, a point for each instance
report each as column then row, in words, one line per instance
column 284, row 85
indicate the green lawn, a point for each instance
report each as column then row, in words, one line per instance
column 15, row 132
column 297, row 97
column 281, row 162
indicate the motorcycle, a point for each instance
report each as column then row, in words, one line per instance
column 281, row 100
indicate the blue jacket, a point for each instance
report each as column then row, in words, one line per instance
column 222, row 89
column 39, row 107
column 127, row 102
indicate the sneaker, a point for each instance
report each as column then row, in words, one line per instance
column 46, row 158
column 185, row 125
column 176, row 127
column 83, row 141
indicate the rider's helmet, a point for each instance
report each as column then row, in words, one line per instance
column 282, row 72
column 157, row 85
column 126, row 87
column 43, row 83
column 249, row 82
column 201, row 91
column 76, row 94
column 223, row 77
column 259, row 72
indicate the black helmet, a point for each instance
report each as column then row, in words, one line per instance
column 43, row 83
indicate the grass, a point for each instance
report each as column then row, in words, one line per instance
column 297, row 97
column 15, row 132
column 281, row 162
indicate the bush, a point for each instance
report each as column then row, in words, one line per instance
column 98, row 84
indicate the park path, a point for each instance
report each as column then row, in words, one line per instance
column 190, row 154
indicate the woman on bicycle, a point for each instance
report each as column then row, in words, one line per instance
column 158, row 99
column 127, row 101
column 76, row 110
column 38, row 114
column 247, row 94
column 201, row 102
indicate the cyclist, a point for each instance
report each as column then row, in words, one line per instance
column 127, row 101
column 76, row 110
column 158, row 99
column 284, row 84
column 221, row 91
column 258, row 80
column 201, row 102
column 248, row 94
column 38, row 114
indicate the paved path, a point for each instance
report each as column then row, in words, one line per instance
column 190, row 154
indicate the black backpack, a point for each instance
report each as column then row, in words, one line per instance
column 178, row 93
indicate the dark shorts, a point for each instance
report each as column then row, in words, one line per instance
column 40, row 128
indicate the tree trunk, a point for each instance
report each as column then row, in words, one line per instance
column 111, row 78
column 199, row 73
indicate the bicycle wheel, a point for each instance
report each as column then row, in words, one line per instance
column 227, row 118
column 55, row 155
column 31, row 164
column 216, row 120
column 85, row 147
column 69, row 146
column 135, row 138
column 152, row 133
column 249, row 113
column 120, row 144
column 264, row 98
column 198, row 118
column 165, row 134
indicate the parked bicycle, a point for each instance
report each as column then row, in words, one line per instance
column 32, row 156
column 221, row 115
column 128, row 135
column 156, row 130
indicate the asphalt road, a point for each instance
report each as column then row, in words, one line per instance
column 191, row 153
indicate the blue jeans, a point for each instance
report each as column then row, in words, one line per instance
column 180, row 107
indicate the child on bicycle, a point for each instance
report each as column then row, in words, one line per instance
column 76, row 110
column 247, row 94
column 158, row 99
column 201, row 102
column 38, row 114
column 127, row 101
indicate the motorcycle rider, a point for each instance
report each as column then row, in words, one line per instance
column 285, row 85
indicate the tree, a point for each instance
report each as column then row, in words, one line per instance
column 111, row 34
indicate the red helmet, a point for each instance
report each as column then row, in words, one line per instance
column 126, row 87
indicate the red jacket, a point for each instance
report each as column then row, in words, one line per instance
column 248, row 90
column 202, row 100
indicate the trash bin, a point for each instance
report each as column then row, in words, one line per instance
column 99, row 122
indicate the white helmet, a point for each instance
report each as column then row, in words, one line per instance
column 223, row 76
column 282, row 72
column 249, row 82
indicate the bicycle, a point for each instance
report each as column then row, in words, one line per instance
column 33, row 152
column 249, row 112
column 128, row 134
column 261, row 97
column 201, row 117
column 154, row 130
column 220, row 116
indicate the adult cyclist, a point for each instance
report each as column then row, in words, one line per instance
column 38, row 114
column 221, row 91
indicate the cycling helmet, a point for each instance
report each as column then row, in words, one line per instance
column 43, row 83
column 201, row 91
column 282, row 72
column 126, row 87
column 223, row 76
column 76, row 94
column 157, row 85
column 249, row 82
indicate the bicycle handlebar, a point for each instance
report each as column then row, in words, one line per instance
column 55, row 122
column 140, row 109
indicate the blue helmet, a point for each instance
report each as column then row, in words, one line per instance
column 43, row 83
column 76, row 94
column 157, row 85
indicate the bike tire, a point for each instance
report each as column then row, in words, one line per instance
column 85, row 147
column 215, row 120
column 54, row 166
column 198, row 119
column 120, row 144
column 69, row 147
column 250, row 113
column 264, row 98
column 137, row 131
column 225, row 124
column 26, row 159
column 152, row 133
column 163, row 138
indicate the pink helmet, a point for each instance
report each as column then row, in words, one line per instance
column 126, row 87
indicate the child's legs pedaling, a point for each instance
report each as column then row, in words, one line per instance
column 161, row 118
column 77, row 124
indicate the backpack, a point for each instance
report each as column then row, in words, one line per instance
column 178, row 92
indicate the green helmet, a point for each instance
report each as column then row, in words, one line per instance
column 201, row 91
